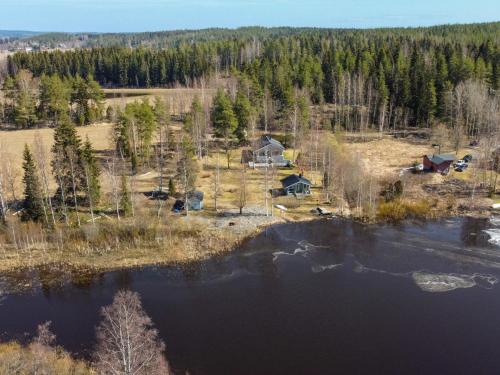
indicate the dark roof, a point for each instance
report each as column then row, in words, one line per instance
column 441, row 158
column 267, row 140
column 195, row 195
column 293, row 179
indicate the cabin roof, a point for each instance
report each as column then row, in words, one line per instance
column 267, row 140
column 195, row 195
column 440, row 158
column 294, row 179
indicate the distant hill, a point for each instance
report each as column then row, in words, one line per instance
column 18, row 34
column 166, row 39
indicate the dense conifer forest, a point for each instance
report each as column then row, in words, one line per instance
column 399, row 75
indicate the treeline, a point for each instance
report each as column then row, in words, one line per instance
column 31, row 102
column 391, row 76
column 174, row 38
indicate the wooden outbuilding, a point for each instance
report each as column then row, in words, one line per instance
column 438, row 163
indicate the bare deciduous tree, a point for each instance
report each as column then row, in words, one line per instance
column 241, row 199
column 127, row 342
column 216, row 181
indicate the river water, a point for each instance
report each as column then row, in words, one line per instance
column 310, row 298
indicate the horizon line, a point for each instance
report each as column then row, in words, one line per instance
column 254, row 26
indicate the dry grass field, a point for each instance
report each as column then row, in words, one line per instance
column 12, row 142
column 386, row 156
column 178, row 99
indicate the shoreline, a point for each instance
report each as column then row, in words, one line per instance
column 149, row 255
column 153, row 256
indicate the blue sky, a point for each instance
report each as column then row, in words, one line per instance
column 151, row 15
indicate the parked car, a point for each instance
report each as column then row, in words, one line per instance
column 461, row 168
column 467, row 158
column 459, row 163
column 418, row 167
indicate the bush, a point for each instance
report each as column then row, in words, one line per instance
column 398, row 210
column 392, row 191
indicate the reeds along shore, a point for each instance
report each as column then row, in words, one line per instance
column 114, row 244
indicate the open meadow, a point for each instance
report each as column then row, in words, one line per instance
column 178, row 99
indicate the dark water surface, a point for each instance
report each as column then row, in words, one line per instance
column 313, row 298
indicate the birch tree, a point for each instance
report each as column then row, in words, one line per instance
column 127, row 343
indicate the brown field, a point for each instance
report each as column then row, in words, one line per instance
column 12, row 142
column 385, row 157
column 178, row 99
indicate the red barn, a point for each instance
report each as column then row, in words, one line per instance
column 438, row 163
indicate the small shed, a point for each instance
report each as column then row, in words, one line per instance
column 195, row 200
column 438, row 163
column 296, row 185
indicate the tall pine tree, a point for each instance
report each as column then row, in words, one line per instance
column 33, row 201
column 243, row 112
column 92, row 172
column 67, row 166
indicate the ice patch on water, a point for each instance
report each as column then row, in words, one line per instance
column 438, row 282
column 307, row 250
column 318, row 268
column 432, row 282
column 494, row 233
column 485, row 281
column 277, row 254
column 442, row 282
column 495, row 220
column 302, row 252
column 494, row 236
column 307, row 245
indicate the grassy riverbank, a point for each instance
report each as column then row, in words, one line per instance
column 129, row 243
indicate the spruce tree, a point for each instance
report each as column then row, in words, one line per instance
column 67, row 164
column 87, row 97
column 171, row 187
column 125, row 200
column 223, row 117
column 54, row 98
column 92, row 172
column 33, row 203
column 224, row 120
column 243, row 112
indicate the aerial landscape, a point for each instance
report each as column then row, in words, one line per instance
column 249, row 187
